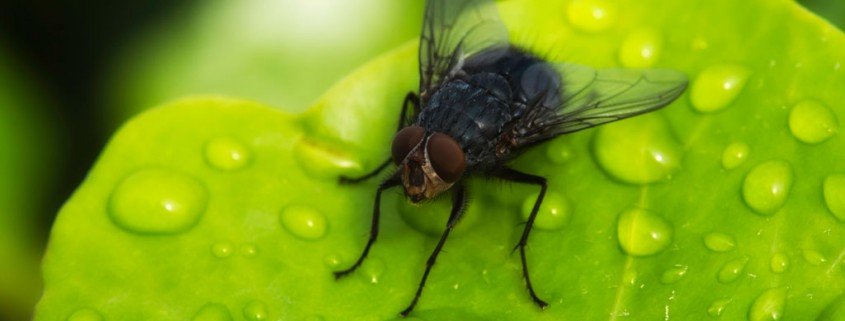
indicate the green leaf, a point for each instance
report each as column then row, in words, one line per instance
column 714, row 207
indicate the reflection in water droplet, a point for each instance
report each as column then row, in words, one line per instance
column 304, row 222
column 324, row 162
column 157, row 201
column 834, row 195
column 639, row 150
column 717, row 307
column 779, row 263
column 213, row 312
column 641, row 49
column 553, row 213
column 717, row 86
column 249, row 250
column 372, row 270
column 734, row 155
column 86, row 314
column 255, row 311
column 630, row 277
column 559, row 151
column 812, row 122
column 732, row 270
column 766, row 187
column 674, row 275
column 719, row 242
column 643, row 233
column 222, row 249
column 226, row 154
column 332, row 261
column 591, row 15
column 768, row 306
column 814, row 258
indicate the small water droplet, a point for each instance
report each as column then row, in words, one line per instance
column 779, row 263
column 213, row 312
column 640, row 150
column 717, row 307
column 157, row 201
column 249, row 250
column 768, row 306
column 630, row 277
column 324, row 162
column 812, row 122
column 553, row 213
column 814, row 258
column 834, row 195
column 222, row 249
column 304, row 222
column 372, row 270
column 226, row 154
column 732, row 270
column 643, row 233
column 86, row 314
column 674, row 274
column 559, row 151
column 766, row 187
column 641, row 49
column 332, row 261
column 719, row 242
column 255, row 311
column 591, row 15
column 734, row 155
column 699, row 44
column 717, row 86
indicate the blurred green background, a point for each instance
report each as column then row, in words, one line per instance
column 71, row 73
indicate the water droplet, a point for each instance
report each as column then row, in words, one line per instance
column 222, row 249
column 255, row 311
column 768, row 306
column 699, row 44
column 814, row 258
column 732, row 270
column 553, row 213
column 734, row 155
column 86, row 314
column 332, row 261
column 766, row 186
column 834, row 195
column 641, row 49
column 630, row 277
column 591, row 15
column 719, row 242
column 674, row 274
column 158, row 201
column 717, row 86
column 779, row 263
column 372, row 270
column 811, row 122
column 639, row 150
column 717, row 307
column 559, row 151
column 249, row 250
column 323, row 161
column 213, row 312
column 304, row 222
column 643, row 233
column 226, row 154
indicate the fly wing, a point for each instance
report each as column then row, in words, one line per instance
column 453, row 30
column 588, row 97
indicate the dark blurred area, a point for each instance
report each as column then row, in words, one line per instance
column 71, row 72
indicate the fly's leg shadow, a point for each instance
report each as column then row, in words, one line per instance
column 520, row 177
column 410, row 99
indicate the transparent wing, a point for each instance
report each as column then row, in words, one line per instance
column 453, row 30
column 588, row 97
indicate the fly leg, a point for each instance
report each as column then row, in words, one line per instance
column 390, row 182
column 458, row 206
column 520, row 177
column 411, row 99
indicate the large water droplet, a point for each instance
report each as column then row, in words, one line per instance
column 779, row 263
column 674, row 274
column 553, row 213
column 213, row 312
column 766, row 186
column 811, row 122
column 814, row 257
column 226, row 154
column 768, row 306
column 222, row 249
column 639, row 150
column 732, row 270
column 734, row 155
column 255, row 311
column 717, row 307
column 304, row 222
column 641, row 49
column 717, row 86
column 643, row 233
column 591, row 15
column 324, row 161
column 719, row 242
column 834, row 195
column 158, row 201
column 86, row 314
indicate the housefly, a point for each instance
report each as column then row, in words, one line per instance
column 482, row 101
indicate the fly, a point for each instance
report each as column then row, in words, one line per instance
column 482, row 101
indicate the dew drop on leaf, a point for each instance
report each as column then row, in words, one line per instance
column 213, row 312
column 834, row 195
column 304, row 222
column 630, row 277
column 734, row 155
column 779, row 263
column 674, row 274
column 719, row 242
column 249, row 250
column 766, row 187
column 332, row 261
column 158, row 201
column 323, row 161
column 255, row 311
column 372, row 269
column 642, row 232
column 553, row 213
column 559, row 151
column 222, row 249
column 717, row 307
column 812, row 122
column 732, row 270
column 591, row 15
column 641, row 49
column 814, row 257
column 226, row 154
column 639, row 150
column 768, row 306
column 86, row 314
column 717, row 86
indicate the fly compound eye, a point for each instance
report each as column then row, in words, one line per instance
column 446, row 157
column 405, row 141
